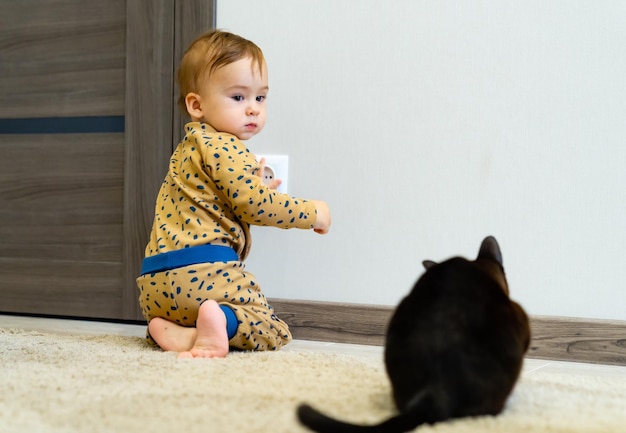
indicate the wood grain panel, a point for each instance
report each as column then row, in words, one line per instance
column 61, row 287
column 564, row 339
column 62, row 58
column 61, row 223
column 150, row 105
column 341, row 323
column 586, row 340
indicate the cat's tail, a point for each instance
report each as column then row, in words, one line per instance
column 422, row 410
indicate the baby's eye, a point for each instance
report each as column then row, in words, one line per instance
column 238, row 98
column 260, row 98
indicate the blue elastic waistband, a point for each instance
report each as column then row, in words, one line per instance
column 188, row 256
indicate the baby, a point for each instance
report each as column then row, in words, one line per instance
column 195, row 292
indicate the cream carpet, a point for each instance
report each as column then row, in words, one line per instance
column 61, row 383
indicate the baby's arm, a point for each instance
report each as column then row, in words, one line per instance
column 322, row 222
column 235, row 173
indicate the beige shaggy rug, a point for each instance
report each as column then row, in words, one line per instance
column 61, row 383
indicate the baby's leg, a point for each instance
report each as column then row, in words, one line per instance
column 261, row 329
column 211, row 339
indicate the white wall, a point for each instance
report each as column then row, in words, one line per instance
column 427, row 125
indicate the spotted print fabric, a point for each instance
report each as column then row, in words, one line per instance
column 176, row 295
column 211, row 195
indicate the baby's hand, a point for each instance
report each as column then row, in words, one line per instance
column 322, row 223
column 273, row 183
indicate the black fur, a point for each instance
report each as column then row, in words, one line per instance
column 454, row 346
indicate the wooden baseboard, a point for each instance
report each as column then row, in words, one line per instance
column 581, row 340
column 339, row 323
column 556, row 338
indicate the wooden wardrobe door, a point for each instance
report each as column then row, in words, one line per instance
column 62, row 157
column 86, row 118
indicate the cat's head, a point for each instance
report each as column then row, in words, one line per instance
column 489, row 259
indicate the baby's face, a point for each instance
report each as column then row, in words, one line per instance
column 233, row 98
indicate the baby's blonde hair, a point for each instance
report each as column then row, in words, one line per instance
column 210, row 52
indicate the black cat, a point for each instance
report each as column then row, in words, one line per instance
column 454, row 346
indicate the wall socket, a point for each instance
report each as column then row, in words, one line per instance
column 276, row 167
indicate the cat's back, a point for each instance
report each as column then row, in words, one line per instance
column 457, row 329
column 458, row 304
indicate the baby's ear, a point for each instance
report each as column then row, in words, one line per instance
column 194, row 106
column 428, row 264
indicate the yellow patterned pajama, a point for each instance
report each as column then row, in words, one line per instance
column 208, row 200
column 177, row 294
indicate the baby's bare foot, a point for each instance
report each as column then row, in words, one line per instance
column 211, row 335
column 170, row 336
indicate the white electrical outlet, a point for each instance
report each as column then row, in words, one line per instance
column 276, row 167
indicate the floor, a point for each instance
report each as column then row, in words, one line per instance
column 64, row 326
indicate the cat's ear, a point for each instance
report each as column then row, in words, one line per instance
column 490, row 250
column 428, row 264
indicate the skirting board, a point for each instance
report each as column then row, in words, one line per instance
column 556, row 338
